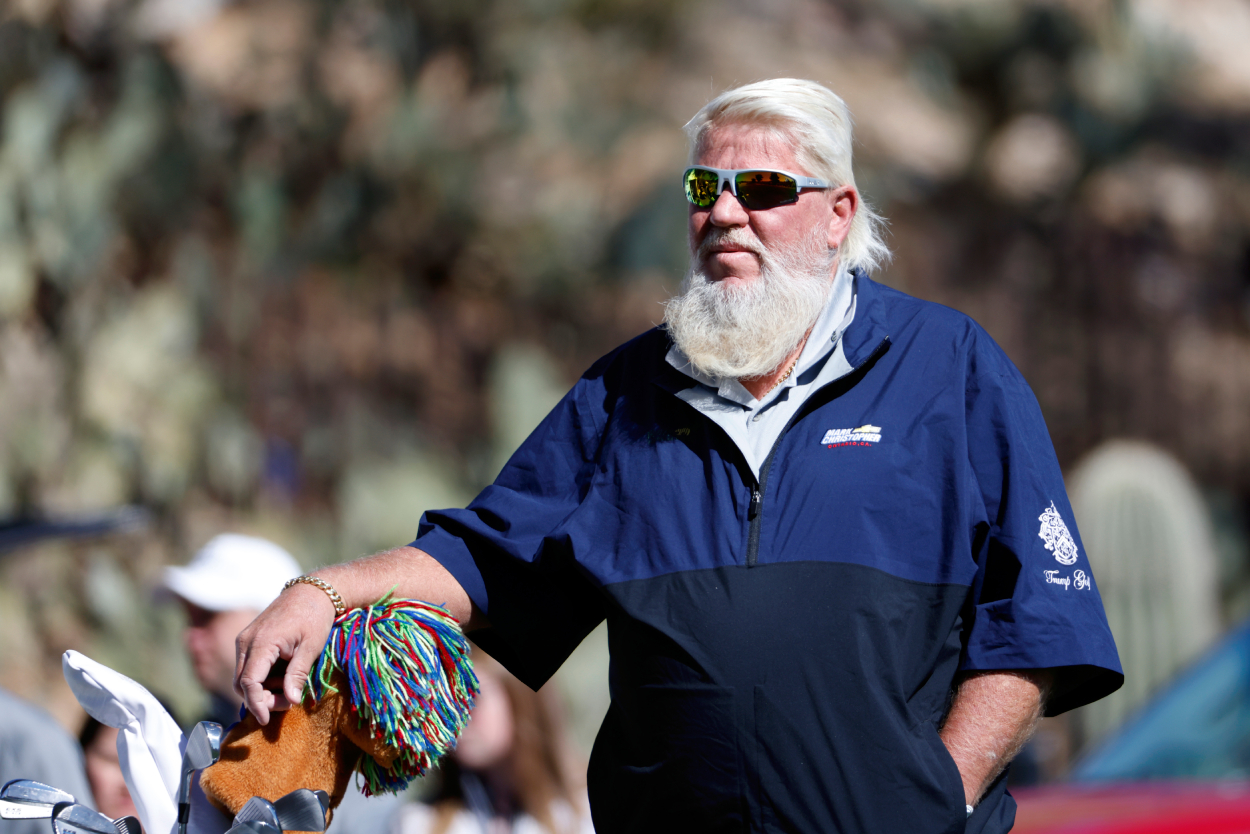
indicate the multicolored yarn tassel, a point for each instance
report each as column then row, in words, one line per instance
column 410, row 677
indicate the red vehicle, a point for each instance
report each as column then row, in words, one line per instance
column 1181, row 765
column 1135, row 808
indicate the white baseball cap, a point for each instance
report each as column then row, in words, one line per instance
column 232, row 572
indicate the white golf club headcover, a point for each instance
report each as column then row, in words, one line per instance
column 149, row 745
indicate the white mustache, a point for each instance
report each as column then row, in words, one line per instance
column 733, row 236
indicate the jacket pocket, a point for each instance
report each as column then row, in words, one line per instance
column 874, row 773
column 952, row 779
column 675, row 765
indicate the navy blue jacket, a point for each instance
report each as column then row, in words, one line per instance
column 783, row 650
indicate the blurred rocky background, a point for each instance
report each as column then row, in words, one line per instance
column 304, row 268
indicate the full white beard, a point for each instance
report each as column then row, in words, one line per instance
column 739, row 332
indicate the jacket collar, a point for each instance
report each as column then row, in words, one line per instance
column 867, row 330
column 669, row 378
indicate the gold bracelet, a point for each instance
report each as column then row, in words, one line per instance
column 339, row 607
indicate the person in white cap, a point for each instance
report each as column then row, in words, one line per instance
column 227, row 583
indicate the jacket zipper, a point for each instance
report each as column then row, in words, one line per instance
column 755, row 510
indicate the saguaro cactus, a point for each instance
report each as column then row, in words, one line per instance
column 1148, row 536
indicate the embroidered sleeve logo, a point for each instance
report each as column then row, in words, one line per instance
column 1054, row 533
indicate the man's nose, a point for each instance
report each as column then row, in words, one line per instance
column 728, row 211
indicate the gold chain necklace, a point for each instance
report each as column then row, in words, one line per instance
column 784, row 377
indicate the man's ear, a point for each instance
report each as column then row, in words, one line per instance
column 845, row 200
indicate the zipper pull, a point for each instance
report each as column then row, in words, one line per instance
column 754, row 509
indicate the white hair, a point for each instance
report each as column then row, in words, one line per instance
column 818, row 123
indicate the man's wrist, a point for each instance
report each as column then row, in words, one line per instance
column 327, row 590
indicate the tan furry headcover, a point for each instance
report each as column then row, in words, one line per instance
column 315, row 745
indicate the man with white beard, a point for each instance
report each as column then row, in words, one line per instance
column 820, row 517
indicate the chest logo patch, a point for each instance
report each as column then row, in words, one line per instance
column 1054, row 533
column 865, row 435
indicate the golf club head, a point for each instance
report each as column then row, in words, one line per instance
column 259, row 809
column 127, row 825
column 253, row 827
column 303, row 810
column 203, row 749
column 203, row 746
column 26, row 799
column 72, row 818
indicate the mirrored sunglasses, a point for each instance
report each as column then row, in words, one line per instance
column 755, row 188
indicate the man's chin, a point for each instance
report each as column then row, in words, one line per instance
column 733, row 281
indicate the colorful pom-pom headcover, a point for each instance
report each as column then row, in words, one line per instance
column 411, row 682
column 387, row 697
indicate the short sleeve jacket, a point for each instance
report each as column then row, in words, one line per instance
column 783, row 649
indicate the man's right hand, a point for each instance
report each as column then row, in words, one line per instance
column 293, row 628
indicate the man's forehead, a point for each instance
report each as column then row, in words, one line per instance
column 744, row 145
